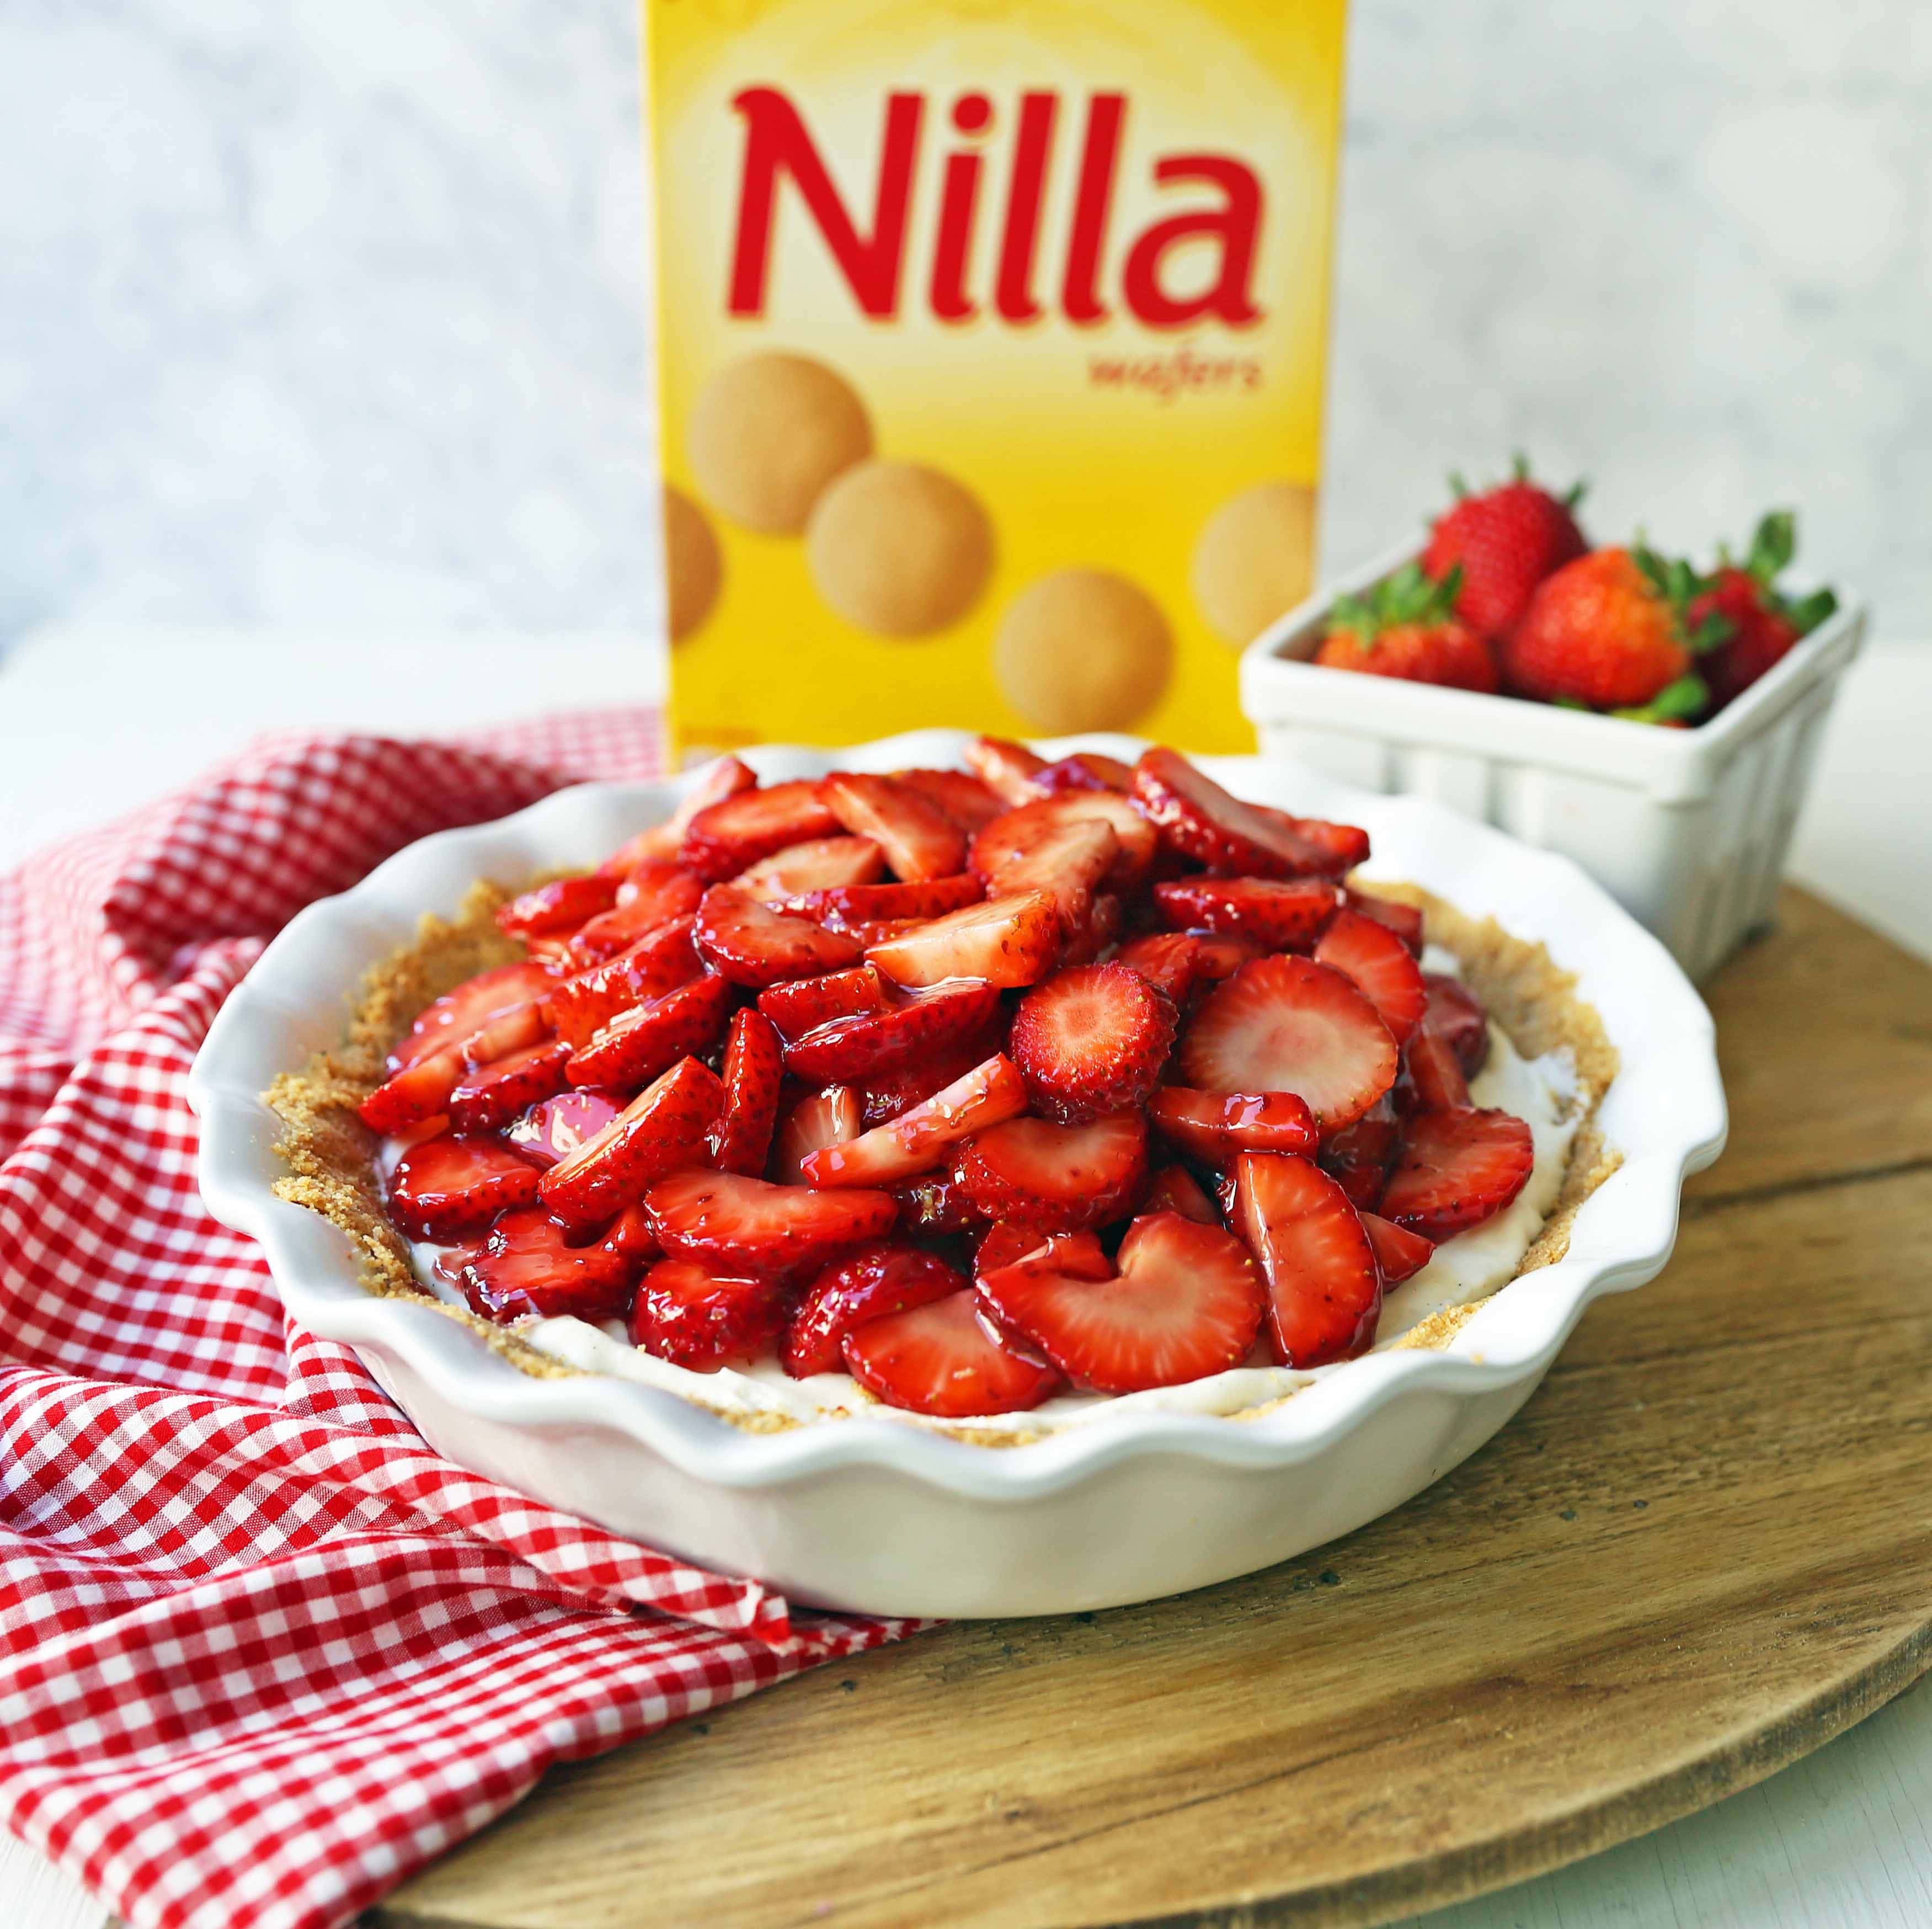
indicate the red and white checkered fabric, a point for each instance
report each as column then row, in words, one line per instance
column 262, row 1652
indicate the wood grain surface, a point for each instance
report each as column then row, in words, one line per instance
column 1703, row 1549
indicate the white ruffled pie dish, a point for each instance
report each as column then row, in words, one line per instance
column 869, row 1513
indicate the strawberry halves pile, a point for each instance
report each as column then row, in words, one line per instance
column 973, row 1085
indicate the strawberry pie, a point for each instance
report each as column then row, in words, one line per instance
column 993, row 1099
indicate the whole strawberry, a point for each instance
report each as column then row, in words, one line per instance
column 1505, row 540
column 1405, row 627
column 1759, row 626
column 1611, row 631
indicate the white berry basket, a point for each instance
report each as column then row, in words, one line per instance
column 876, row 1512
column 1687, row 829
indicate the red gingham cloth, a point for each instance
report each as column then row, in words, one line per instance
column 262, row 1652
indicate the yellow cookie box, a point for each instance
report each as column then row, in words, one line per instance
column 990, row 343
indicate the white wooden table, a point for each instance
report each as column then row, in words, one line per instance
column 94, row 721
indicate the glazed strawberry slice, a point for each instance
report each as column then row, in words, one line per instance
column 830, row 1117
column 1008, row 940
column 913, row 1024
column 1288, row 1024
column 918, row 1140
column 1079, row 1255
column 795, row 1006
column 555, row 1129
column 920, row 842
column 1435, row 1072
column 725, row 777
column 1175, row 1188
column 726, row 838
column 459, row 1014
column 1405, row 920
column 639, row 1044
column 754, row 1071
column 1006, row 768
column 1455, row 1013
column 1068, row 862
column 1457, row 1169
column 1325, row 1289
column 877, row 1280
column 1379, row 961
column 1089, row 1040
column 666, row 1125
column 445, row 1187
column 579, row 1007
column 751, row 943
column 1187, row 1301
column 744, row 1225
column 561, row 905
column 1017, row 834
column 1084, row 770
column 702, row 1320
column 935, row 1204
column 944, row 1360
column 1399, row 1253
column 1180, row 962
column 1279, row 914
column 655, row 892
column 489, row 1096
column 963, row 797
column 1213, row 1126
column 1058, row 1177
column 1097, row 935
column 847, row 907
column 527, row 1266
column 1198, row 819
column 1357, row 1157
column 420, row 1090
column 824, row 864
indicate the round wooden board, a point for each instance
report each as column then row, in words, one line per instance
column 1704, row 1548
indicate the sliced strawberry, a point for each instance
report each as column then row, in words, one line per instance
column 1018, row 835
column 1168, row 960
column 745, row 1226
column 1058, row 1177
column 920, row 842
column 1375, row 957
column 797, row 1005
column 1405, row 920
column 649, row 1039
column 1008, row 940
column 664, row 1126
column 886, row 1095
column 913, row 1023
column 1435, row 1072
column 663, row 959
column 1084, row 770
column 724, row 777
column 749, row 942
column 1070, row 862
column 550, row 956
column 964, row 799
column 824, row 864
column 1089, row 1040
column 853, row 904
column 943, row 1359
column 1197, row 818
column 1006, row 768
column 450, row 1185
column 877, row 1279
column 754, row 1070
column 1187, row 1302
column 1097, row 936
column 655, row 892
column 935, row 1204
column 724, row 838
column 1175, row 1188
column 1399, row 1253
column 701, row 1320
column 918, row 1140
column 1324, row 1291
column 1456, row 1014
column 876, row 931
column 555, row 1129
column 631, row 1236
column 1077, row 1255
column 561, row 905
column 1279, row 914
column 1358, row 1157
column 489, row 1097
column 459, row 1014
column 1457, row 1169
column 1288, row 1024
column 1213, row 1126
column 420, row 1090
column 527, row 1266
column 830, row 1117
column 433, row 1127
column 515, row 1030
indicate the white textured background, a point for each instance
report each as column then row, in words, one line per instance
column 333, row 310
